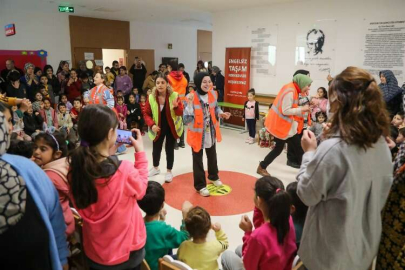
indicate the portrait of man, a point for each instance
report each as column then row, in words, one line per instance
column 315, row 42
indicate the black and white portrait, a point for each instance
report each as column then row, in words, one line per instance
column 315, row 42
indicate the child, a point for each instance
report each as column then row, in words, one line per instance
column 50, row 153
column 18, row 127
column 122, row 110
column 319, row 102
column 110, row 76
column 148, row 92
column 77, row 108
column 134, row 92
column 401, row 136
column 21, row 148
column 123, row 81
column 44, row 92
column 143, row 104
column 161, row 237
column 198, row 253
column 397, row 121
column 317, row 127
column 251, row 114
column 86, row 85
column 36, row 105
column 86, row 102
column 48, row 87
column 66, row 124
column 272, row 244
column 264, row 135
column 134, row 114
column 64, row 99
column 33, row 122
column 73, row 87
column 15, row 88
column 105, row 192
column 299, row 212
column 49, row 115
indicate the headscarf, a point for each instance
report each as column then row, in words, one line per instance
column 301, row 71
column 302, row 80
column 46, row 67
column 12, row 186
column 216, row 69
column 26, row 67
column 198, row 78
column 390, row 89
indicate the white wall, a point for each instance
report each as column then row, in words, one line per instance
column 36, row 30
column 109, row 55
column 157, row 36
column 232, row 29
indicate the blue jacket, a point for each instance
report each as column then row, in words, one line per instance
column 46, row 199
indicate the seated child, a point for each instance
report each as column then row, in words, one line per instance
column 397, row 121
column 36, row 105
column 49, row 115
column 48, row 88
column 318, row 126
column 198, row 253
column 148, row 93
column 143, row 104
column 75, row 111
column 161, row 237
column 64, row 99
column 110, row 76
column 299, row 212
column 122, row 110
column 21, row 148
column 134, row 92
column 134, row 114
column 18, row 127
column 66, row 124
column 33, row 122
column 86, row 85
column 272, row 244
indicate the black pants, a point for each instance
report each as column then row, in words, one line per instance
column 169, row 148
column 294, row 144
column 198, row 167
column 292, row 152
column 251, row 125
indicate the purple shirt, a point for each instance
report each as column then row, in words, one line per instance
column 124, row 84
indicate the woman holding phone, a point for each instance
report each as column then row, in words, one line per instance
column 163, row 115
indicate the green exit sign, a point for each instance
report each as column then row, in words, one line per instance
column 66, row 9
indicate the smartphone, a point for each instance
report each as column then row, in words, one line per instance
column 123, row 136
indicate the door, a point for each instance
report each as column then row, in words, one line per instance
column 80, row 52
column 148, row 56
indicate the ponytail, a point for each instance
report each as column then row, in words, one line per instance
column 278, row 202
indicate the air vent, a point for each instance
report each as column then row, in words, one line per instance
column 103, row 9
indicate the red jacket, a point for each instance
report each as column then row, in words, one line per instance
column 75, row 112
column 74, row 90
column 149, row 118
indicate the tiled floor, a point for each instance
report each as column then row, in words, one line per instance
column 233, row 155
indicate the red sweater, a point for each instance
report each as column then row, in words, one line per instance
column 149, row 117
column 74, row 90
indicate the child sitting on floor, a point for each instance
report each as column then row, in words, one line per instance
column 33, row 122
column 66, row 124
column 49, row 115
column 264, row 135
column 198, row 253
column 36, row 105
column 161, row 238
column 122, row 110
column 64, row 99
column 18, row 127
column 318, row 126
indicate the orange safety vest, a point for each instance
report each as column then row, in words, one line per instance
column 96, row 96
column 178, row 86
column 196, row 128
column 277, row 123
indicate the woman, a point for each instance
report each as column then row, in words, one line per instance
column 391, row 91
column 30, row 81
column 202, row 114
column 149, row 82
column 163, row 115
column 53, row 81
column 100, row 94
column 73, row 86
column 32, row 229
column 346, row 180
column 285, row 122
column 200, row 68
column 123, row 82
column 63, row 75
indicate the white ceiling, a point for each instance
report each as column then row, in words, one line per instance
column 186, row 12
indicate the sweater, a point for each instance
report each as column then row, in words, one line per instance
column 53, row 115
column 57, row 171
column 32, row 123
column 64, row 120
column 123, row 110
column 319, row 106
column 149, row 83
column 203, row 256
column 46, row 199
column 162, row 238
column 345, row 188
column 261, row 249
column 73, row 90
column 113, row 226
column 257, row 115
column 123, row 83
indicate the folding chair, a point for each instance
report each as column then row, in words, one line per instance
column 168, row 263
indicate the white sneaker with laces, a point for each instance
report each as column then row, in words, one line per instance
column 204, row 192
column 216, row 183
column 252, row 141
column 168, row 177
column 247, row 140
column 153, row 172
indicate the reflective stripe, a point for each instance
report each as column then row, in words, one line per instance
column 295, row 102
column 284, row 94
column 178, row 119
column 275, row 109
column 213, row 105
column 198, row 107
column 193, row 129
column 182, row 95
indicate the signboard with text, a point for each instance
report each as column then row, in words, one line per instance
column 9, row 29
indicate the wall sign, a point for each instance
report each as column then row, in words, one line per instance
column 9, row 29
column 88, row 56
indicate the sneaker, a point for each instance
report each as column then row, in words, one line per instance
column 252, row 141
column 168, row 177
column 216, row 183
column 204, row 192
column 261, row 171
column 247, row 140
column 153, row 172
column 293, row 164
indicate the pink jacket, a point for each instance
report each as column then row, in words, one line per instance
column 261, row 249
column 113, row 226
column 57, row 171
column 121, row 109
column 54, row 117
column 320, row 106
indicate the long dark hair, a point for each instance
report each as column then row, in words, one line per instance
column 325, row 93
column 84, row 160
column 278, row 202
column 56, row 141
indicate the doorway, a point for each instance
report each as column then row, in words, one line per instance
column 110, row 55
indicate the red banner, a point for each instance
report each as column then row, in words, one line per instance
column 237, row 75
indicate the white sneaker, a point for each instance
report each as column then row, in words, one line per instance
column 153, row 172
column 204, row 192
column 168, row 177
column 252, row 141
column 247, row 140
column 216, row 183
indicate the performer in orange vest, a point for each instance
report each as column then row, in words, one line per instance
column 285, row 121
column 179, row 85
column 202, row 115
column 100, row 94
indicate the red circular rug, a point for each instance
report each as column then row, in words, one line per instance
column 239, row 200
